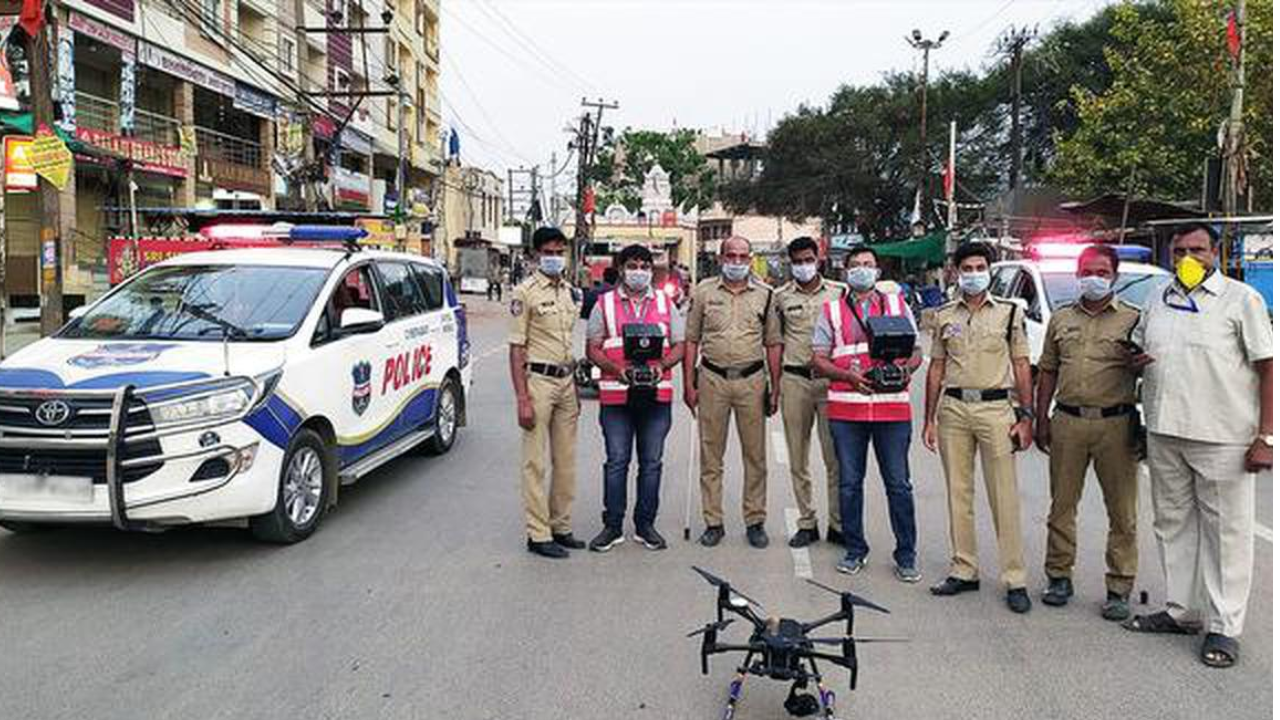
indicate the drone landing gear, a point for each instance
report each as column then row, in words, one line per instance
column 798, row 703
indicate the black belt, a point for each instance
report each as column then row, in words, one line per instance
column 555, row 371
column 734, row 373
column 1096, row 412
column 803, row 371
column 970, row 395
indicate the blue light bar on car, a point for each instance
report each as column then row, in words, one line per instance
column 327, row 233
column 1134, row 253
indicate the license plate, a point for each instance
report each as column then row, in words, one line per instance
column 46, row 487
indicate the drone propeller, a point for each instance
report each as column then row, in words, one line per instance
column 853, row 599
column 711, row 627
column 841, row 640
column 721, row 583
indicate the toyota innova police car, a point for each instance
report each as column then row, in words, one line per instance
column 233, row 384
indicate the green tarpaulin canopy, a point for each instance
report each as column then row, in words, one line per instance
column 927, row 250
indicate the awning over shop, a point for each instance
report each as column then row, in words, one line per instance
column 929, row 250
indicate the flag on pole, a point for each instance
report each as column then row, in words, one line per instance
column 1233, row 35
column 949, row 180
column 31, row 18
column 589, row 201
column 916, row 216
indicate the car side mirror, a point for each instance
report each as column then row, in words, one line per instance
column 361, row 320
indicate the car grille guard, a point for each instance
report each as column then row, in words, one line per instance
column 115, row 427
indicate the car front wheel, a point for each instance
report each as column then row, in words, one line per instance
column 303, row 492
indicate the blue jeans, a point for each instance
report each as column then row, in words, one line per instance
column 645, row 427
column 892, row 442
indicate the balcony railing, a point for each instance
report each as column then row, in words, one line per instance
column 97, row 113
column 228, row 148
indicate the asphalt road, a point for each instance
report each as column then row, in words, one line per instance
column 417, row 600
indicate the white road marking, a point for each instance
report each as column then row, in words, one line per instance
column 799, row 556
column 1263, row 532
column 779, row 447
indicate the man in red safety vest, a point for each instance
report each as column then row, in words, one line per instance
column 860, row 416
column 633, row 413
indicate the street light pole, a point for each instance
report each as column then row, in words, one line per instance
column 919, row 42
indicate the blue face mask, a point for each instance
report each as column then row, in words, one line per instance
column 861, row 279
column 735, row 273
column 1093, row 287
column 551, row 265
column 975, row 283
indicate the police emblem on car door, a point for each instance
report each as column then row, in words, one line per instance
column 362, row 388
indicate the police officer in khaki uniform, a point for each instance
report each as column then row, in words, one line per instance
column 727, row 324
column 543, row 310
column 1086, row 360
column 796, row 307
column 979, row 355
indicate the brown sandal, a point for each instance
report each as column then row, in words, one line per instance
column 1160, row 623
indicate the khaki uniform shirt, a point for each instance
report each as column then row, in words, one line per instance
column 1089, row 354
column 542, row 315
column 1202, row 384
column 979, row 347
column 794, row 314
column 730, row 326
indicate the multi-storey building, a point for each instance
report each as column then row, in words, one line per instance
column 200, row 103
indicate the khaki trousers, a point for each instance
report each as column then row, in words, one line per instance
column 1107, row 443
column 963, row 429
column 745, row 399
column 804, row 404
column 1203, row 501
column 555, row 423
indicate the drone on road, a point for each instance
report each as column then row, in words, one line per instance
column 780, row 648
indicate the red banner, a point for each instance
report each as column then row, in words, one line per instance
column 147, row 157
column 126, row 256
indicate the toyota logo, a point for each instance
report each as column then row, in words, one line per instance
column 53, row 412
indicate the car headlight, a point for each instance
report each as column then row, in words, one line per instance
column 227, row 402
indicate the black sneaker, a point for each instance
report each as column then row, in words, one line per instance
column 1058, row 592
column 804, row 537
column 568, row 541
column 607, row 538
column 953, row 586
column 712, row 536
column 547, row 549
column 650, row 538
column 1018, row 600
column 758, row 538
column 835, row 537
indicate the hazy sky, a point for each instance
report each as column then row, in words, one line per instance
column 514, row 71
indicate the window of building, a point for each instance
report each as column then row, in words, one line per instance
column 421, row 117
column 287, row 53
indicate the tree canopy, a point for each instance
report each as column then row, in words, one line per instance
column 624, row 159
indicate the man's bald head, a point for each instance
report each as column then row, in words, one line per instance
column 735, row 247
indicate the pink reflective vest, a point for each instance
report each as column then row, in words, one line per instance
column 617, row 313
column 850, row 346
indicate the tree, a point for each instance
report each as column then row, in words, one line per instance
column 625, row 159
column 1170, row 92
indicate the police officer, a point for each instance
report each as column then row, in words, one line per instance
column 726, row 329
column 979, row 355
column 633, row 415
column 796, row 307
column 1086, row 363
column 543, row 310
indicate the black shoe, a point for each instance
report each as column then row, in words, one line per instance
column 954, row 586
column 712, row 536
column 1058, row 592
column 835, row 537
column 547, row 549
column 804, row 537
column 568, row 541
column 1116, row 608
column 1018, row 600
column 650, row 538
column 606, row 539
column 758, row 538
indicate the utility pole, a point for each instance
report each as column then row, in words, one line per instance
column 308, row 173
column 400, row 159
column 511, row 194
column 918, row 41
column 951, row 183
column 47, row 197
column 554, row 208
column 1013, row 44
column 587, row 143
column 1234, row 147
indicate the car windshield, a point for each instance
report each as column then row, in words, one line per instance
column 204, row 302
column 1130, row 286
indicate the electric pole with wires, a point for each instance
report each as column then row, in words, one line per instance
column 925, row 46
column 587, row 143
column 1014, row 44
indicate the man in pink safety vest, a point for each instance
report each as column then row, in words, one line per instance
column 860, row 416
column 630, row 413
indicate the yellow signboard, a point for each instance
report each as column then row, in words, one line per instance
column 50, row 159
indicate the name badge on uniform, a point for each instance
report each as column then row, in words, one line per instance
column 952, row 330
column 517, row 307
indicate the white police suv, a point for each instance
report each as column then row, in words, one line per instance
column 233, row 384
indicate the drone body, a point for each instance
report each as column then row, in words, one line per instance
column 780, row 648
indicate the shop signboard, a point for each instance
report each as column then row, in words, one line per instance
column 193, row 72
column 126, row 256
column 18, row 173
column 146, row 156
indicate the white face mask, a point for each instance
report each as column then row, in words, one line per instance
column 1093, row 287
column 637, row 280
column 735, row 273
column 804, row 273
column 861, row 278
column 552, row 265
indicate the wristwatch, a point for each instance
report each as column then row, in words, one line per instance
column 1023, row 413
column 1266, row 440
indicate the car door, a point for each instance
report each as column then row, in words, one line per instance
column 343, row 371
column 446, row 320
column 1026, row 288
column 408, row 364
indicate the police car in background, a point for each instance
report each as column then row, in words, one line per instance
column 233, row 384
column 1046, row 280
